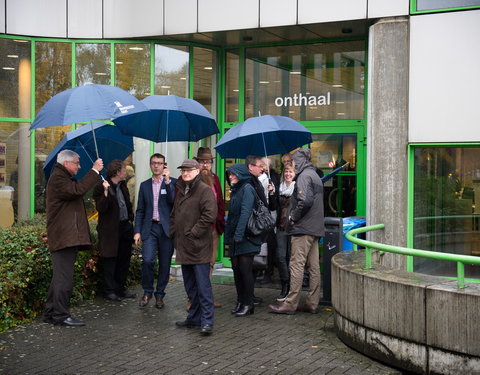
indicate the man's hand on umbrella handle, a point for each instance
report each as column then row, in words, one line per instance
column 166, row 174
column 137, row 238
column 98, row 165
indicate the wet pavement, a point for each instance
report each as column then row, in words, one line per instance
column 120, row 338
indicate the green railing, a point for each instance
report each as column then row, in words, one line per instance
column 461, row 260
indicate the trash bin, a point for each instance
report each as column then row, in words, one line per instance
column 332, row 244
column 350, row 223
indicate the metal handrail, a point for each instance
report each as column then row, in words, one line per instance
column 461, row 260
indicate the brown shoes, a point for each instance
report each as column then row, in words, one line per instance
column 144, row 301
column 281, row 308
column 307, row 308
column 159, row 304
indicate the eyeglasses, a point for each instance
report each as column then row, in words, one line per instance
column 157, row 163
column 74, row 162
column 258, row 166
column 205, row 162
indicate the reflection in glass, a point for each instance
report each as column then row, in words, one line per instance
column 445, row 4
column 9, row 172
column 330, row 151
column 132, row 69
column 93, row 63
column 232, row 89
column 205, row 78
column 307, row 82
column 446, row 206
column 171, row 70
column 15, row 83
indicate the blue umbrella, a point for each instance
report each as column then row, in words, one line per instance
column 111, row 143
column 264, row 135
column 171, row 118
column 87, row 103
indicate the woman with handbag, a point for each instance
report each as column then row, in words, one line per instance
column 283, row 239
column 242, row 245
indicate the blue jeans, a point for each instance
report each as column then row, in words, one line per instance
column 157, row 244
column 196, row 279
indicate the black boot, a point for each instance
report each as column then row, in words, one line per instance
column 245, row 310
column 237, row 308
column 284, row 292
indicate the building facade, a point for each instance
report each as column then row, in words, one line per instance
column 390, row 86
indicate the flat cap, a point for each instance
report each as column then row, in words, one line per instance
column 189, row 164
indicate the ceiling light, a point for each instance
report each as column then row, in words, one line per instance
column 183, row 78
column 8, row 68
column 119, row 62
column 20, row 41
column 136, row 48
column 100, row 74
column 236, row 90
column 340, row 114
column 263, row 81
column 340, row 102
column 295, row 72
column 13, row 56
column 166, row 87
column 291, row 112
column 337, row 85
column 208, row 68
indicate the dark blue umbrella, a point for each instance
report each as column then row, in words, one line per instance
column 171, row 118
column 112, row 144
column 262, row 136
column 334, row 172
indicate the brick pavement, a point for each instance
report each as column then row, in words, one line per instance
column 120, row 338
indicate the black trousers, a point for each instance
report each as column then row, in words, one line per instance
column 242, row 266
column 60, row 290
column 115, row 269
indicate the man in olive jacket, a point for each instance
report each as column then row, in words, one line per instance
column 194, row 212
column 306, row 226
column 67, row 230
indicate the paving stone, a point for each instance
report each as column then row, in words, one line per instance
column 120, row 338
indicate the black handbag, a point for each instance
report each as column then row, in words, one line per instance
column 261, row 220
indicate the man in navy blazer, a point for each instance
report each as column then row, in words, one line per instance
column 155, row 202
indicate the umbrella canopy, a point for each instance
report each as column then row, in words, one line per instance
column 334, row 172
column 171, row 118
column 87, row 103
column 112, row 144
column 264, row 135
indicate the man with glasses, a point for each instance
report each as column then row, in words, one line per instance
column 193, row 215
column 152, row 228
column 68, row 231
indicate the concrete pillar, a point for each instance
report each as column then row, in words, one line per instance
column 387, row 134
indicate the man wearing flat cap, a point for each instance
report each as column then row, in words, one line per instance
column 205, row 159
column 194, row 212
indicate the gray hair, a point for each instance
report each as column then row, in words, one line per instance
column 66, row 155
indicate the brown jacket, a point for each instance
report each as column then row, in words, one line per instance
column 191, row 222
column 67, row 223
column 109, row 218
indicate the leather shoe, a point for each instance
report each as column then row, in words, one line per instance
column 159, row 304
column 206, row 329
column 144, row 301
column 281, row 308
column 307, row 308
column 113, row 297
column 186, row 324
column 127, row 294
column 257, row 300
column 71, row 322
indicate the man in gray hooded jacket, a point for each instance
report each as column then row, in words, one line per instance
column 306, row 226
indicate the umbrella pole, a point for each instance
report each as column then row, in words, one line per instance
column 94, row 139
column 266, row 156
column 166, row 139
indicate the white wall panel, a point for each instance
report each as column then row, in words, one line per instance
column 388, row 8
column 2, row 16
column 85, row 19
column 278, row 12
column 180, row 16
column 444, row 97
column 216, row 15
column 37, row 18
column 313, row 11
column 132, row 18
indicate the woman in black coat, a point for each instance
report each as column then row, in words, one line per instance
column 242, row 246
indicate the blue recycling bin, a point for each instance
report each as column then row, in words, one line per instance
column 350, row 223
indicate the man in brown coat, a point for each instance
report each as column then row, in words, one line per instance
column 194, row 212
column 68, row 231
column 115, row 230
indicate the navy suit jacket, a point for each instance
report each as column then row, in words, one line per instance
column 144, row 213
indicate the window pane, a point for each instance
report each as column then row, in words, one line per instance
column 171, row 70
column 306, row 82
column 232, row 89
column 132, row 63
column 205, row 78
column 15, row 78
column 93, row 64
column 447, row 206
column 445, row 4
